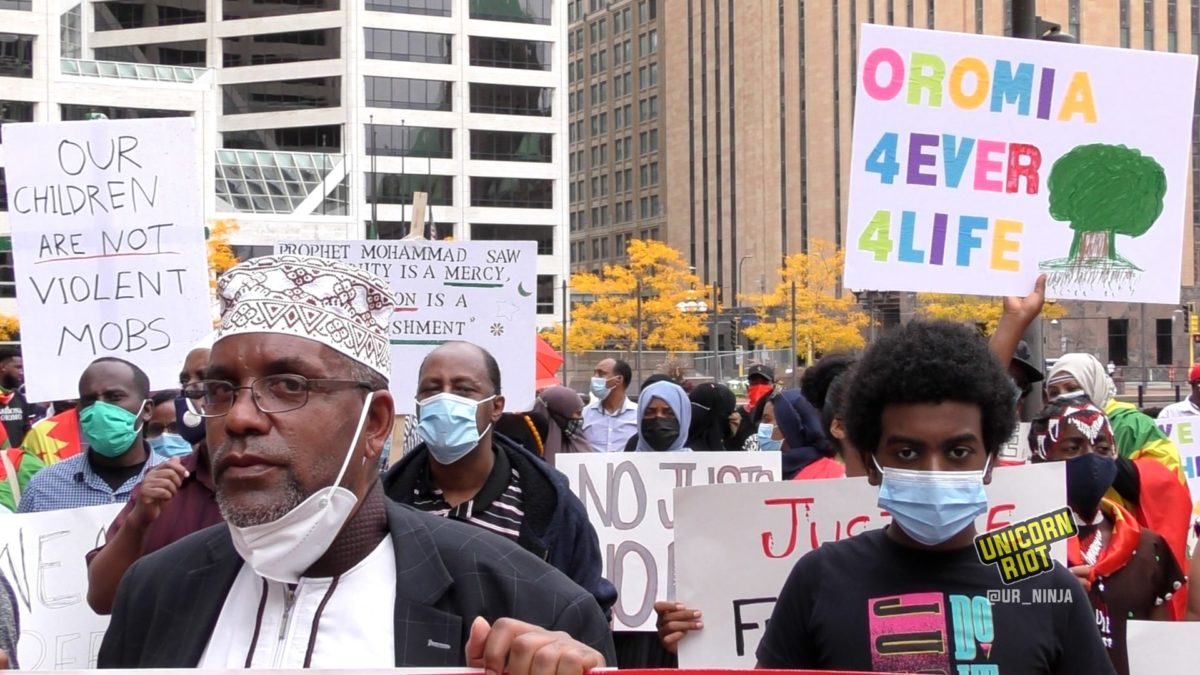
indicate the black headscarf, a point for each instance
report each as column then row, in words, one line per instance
column 712, row 404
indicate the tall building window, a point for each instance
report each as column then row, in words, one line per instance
column 16, row 55
column 8, row 279
column 399, row 229
column 508, row 53
column 189, row 53
column 908, row 15
column 1172, row 26
column 545, row 293
column 511, row 146
column 396, row 188
column 930, row 17
column 528, row 193
column 14, row 111
column 542, row 234
column 408, row 94
column 1148, row 24
column 70, row 32
column 979, row 17
column 17, row 5
column 249, row 9
column 324, row 138
column 1164, row 342
column 121, row 14
column 387, row 140
column 407, row 45
column 256, row 97
column 1118, row 341
column 505, row 99
column 1124, row 21
column 520, row 11
column 74, row 113
column 1074, row 26
column 290, row 47
column 1195, row 14
column 425, row 7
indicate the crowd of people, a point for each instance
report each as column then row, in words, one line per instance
column 276, row 529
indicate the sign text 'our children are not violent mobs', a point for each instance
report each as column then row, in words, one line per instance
column 108, row 247
column 979, row 163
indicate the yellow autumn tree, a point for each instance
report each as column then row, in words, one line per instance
column 220, row 253
column 824, row 322
column 605, row 313
column 10, row 328
column 980, row 311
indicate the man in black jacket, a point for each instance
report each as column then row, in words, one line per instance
column 466, row 471
column 314, row 568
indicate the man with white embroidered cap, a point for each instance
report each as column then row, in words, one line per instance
column 315, row 567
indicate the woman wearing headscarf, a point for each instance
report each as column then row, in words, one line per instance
column 1128, row 570
column 712, row 404
column 806, row 452
column 665, row 415
column 1137, row 435
column 564, row 408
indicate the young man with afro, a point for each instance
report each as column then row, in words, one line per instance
column 928, row 407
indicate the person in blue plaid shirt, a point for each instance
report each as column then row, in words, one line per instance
column 114, row 407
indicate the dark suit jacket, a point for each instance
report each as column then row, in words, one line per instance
column 447, row 573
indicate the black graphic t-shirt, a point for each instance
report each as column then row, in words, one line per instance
column 15, row 416
column 870, row 604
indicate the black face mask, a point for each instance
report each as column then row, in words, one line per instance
column 1088, row 478
column 660, row 432
column 572, row 428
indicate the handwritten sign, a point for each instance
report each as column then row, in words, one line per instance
column 629, row 502
column 761, row 530
column 1185, row 433
column 980, row 162
column 483, row 292
column 1161, row 647
column 41, row 556
column 108, row 247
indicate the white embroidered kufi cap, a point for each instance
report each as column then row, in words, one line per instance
column 329, row 302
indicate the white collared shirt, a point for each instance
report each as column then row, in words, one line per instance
column 609, row 432
column 355, row 628
column 1184, row 408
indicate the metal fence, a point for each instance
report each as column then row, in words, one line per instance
column 728, row 367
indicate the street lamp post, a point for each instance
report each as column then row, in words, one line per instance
column 795, row 370
column 715, row 344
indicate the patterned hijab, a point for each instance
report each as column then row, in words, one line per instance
column 1067, row 411
column 1088, row 372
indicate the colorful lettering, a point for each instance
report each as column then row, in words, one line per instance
column 908, row 633
column 1024, row 160
column 908, row 226
column 883, row 56
column 926, row 73
column 876, row 238
column 986, row 164
column 882, row 159
column 969, row 66
column 1009, row 87
column 1045, row 94
column 967, row 241
column 1079, row 99
column 954, row 156
column 1001, row 245
column 937, row 249
column 917, row 158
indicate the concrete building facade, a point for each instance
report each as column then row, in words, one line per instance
column 321, row 118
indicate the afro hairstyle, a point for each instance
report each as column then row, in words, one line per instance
column 929, row 362
column 814, row 384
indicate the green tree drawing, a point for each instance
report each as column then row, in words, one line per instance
column 1102, row 191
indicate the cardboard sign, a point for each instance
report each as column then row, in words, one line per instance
column 483, row 292
column 41, row 557
column 1185, row 433
column 980, row 162
column 108, row 247
column 628, row 497
column 736, row 544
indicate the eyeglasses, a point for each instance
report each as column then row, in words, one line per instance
column 271, row 394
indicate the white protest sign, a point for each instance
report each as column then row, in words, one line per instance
column 628, row 497
column 1185, row 433
column 41, row 557
column 483, row 292
column 108, row 247
column 736, row 544
column 1162, row 647
column 980, row 162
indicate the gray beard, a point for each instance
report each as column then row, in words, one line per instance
column 259, row 515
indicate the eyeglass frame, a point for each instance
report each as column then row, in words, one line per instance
column 319, row 383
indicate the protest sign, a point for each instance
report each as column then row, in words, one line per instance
column 736, row 544
column 483, row 292
column 1185, row 433
column 980, row 162
column 1162, row 647
column 108, row 247
column 41, row 557
column 628, row 498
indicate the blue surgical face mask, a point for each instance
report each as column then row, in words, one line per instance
column 765, row 442
column 170, row 445
column 933, row 506
column 600, row 388
column 447, row 425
